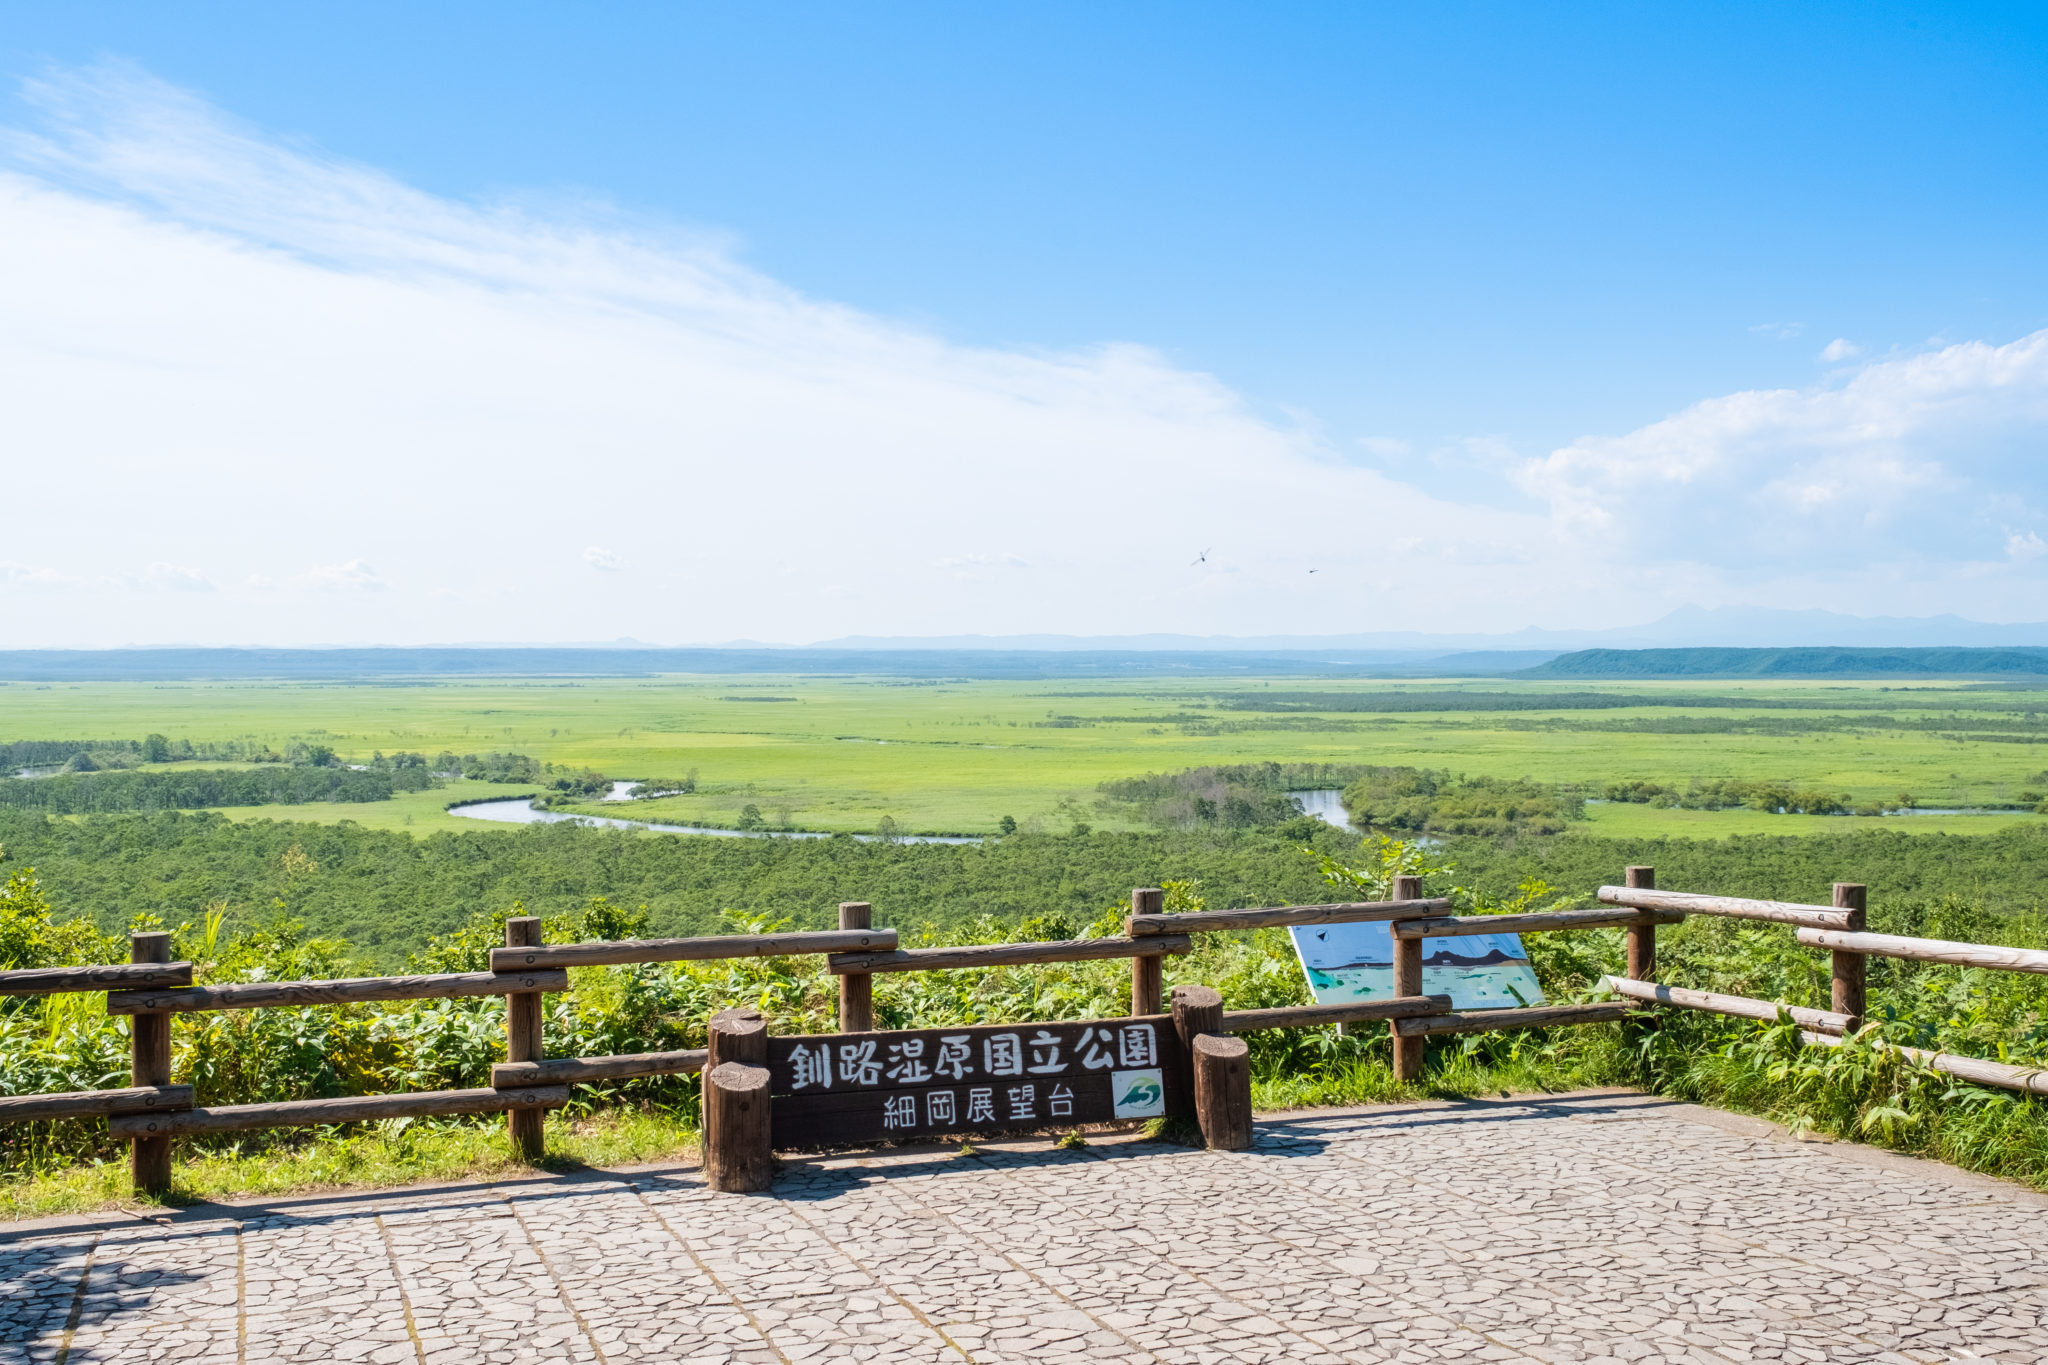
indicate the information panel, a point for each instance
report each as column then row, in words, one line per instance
column 1350, row 963
column 832, row 1088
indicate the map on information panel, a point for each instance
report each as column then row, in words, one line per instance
column 1348, row 963
column 857, row 1087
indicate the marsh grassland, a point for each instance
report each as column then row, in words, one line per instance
column 842, row 754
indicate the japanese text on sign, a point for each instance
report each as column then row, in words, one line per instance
column 864, row 1063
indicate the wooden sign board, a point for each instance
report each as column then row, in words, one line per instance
column 836, row 1088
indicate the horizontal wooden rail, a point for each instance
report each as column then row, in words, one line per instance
column 253, row 995
column 1008, row 954
column 1728, row 907
column 1536, row 1016
column 621, row 951
column 346, row 1109
column 111, row 977
column 581, row 1070
column 1350, row 912
column 81, row 1104
column 1308, row 1016
column 1930, row 950
column 1544, row 922
column 1741, row 1006
column 2002, row 1074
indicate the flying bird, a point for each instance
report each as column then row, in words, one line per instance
column 1202, row 558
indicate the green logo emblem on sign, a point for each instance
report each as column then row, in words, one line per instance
column 1138, row 1094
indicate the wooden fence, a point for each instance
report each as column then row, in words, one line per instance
column 152, row 1112
column 1839, row 928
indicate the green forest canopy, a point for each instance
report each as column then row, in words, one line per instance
column 385, row 892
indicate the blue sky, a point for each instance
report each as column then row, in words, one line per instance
column 1505, row 279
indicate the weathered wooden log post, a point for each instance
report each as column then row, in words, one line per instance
column 149, row 1063
column 1145, row 971
column 736, row 1035
column 737, row 1155
column 856, row 989
column 1408, row 1052
column 739, row 1036
column 1848, row 967
column 1223, row 1090
column 1642, row 938
column 526, row 1127
column 1197, row 1010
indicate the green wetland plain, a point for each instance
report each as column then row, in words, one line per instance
column 1506, row 795
column 955, row 757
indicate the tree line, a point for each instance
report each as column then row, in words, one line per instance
column 1231, row 796
column 1410, row 801
column 385, row 892
column 108, row 792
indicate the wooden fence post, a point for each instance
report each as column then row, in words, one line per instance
column 1223, row 1091
column 526, row 1127
column 1145, row 977
column 1848, row 967
column 737, row 1153
column 1197, row 1010
column 856, row 989
column 1642, row 938
column 1408, row 1052
column 149, row 1063
column 736, row 1035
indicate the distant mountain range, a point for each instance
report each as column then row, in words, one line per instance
column 1689, row 642
column 1793, row 663
column 1687, row 627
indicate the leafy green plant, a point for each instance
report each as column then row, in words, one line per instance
column 1860, row 1090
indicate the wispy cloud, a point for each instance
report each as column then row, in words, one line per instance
column 33, row 576
column 207, row 326
column 1917, row 462
column 1840, row 349
column 176, row 578
column 352, row 576
column 979, row 568
column 351, row 371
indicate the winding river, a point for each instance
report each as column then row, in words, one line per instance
column 519, row 810
column 1326, row 805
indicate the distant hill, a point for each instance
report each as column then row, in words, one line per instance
column 111, row 665
column 1810, row 662
column 1688, row 627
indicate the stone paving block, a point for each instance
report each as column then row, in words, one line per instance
column 1567, row 1230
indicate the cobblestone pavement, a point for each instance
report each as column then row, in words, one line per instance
column 1592, row 1227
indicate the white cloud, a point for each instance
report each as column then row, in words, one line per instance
column 1911, row 463
column 207, row 327
column 33, row 575
column 978, row 568
column 1841, row 348
column 176, row 578
column 352, row 576
column 350, row 372
column 2024, row 545
column 1782, row 331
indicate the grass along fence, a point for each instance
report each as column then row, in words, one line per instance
column 151, row 1112
column 1839, row 928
